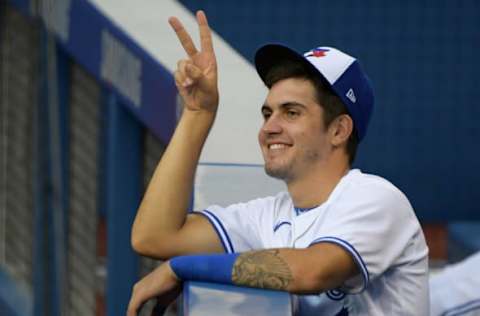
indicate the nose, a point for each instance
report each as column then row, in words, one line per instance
column 272, row 125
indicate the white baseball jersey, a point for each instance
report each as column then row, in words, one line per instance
column 456, row 290
column 367, row 216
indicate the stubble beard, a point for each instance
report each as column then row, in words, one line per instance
column 287, row 171
column 283, row 172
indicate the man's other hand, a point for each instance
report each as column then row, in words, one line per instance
column 161, row 283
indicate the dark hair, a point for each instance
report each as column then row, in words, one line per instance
column 331, row 103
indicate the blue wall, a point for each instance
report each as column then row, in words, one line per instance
column 421, row 57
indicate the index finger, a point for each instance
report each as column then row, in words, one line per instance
column 132, row 309
column 205, row 33
column 183, row 36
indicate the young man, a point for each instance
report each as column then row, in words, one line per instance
column 348, row 242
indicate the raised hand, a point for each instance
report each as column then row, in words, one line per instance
column 196, row 76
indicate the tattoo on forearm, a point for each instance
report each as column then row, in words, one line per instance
column 263, row 269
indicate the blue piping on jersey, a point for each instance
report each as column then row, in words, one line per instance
column 221, row 231
column 211, row 220
column 336, row 295
column 300, row 210
column 281, row 224
column 463, row 309
column 356, row 256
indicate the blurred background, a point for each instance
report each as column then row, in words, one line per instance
column 88, row 104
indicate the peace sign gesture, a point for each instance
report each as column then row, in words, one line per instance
column 196, row 76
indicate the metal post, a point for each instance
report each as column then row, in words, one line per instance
column 123, row 179
column 58, row 83
column 40, row 167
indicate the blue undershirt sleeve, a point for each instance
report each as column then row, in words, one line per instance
column 215, row 268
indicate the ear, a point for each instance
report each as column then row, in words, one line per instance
column 341, row 129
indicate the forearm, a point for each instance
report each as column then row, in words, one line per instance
column 278, row 269
column 265, row 269
column 292, row 270
column 165, row 203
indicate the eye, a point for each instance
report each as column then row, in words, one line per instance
column 291, row 114
column 266, row 114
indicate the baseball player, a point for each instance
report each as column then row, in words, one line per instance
column 343, row 242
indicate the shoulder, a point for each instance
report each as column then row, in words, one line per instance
column 369, row 195
column 364, row 186
column 360, row 179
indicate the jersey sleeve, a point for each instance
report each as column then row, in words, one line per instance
column 238, row 225
column 374, row 224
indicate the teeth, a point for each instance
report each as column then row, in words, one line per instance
column 277, row 146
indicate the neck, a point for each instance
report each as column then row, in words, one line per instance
column 316, row 185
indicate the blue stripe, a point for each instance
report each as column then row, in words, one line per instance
column 463, row 309
column 280, row 224
column 304, row 209
column 356, row 256
column 336, row 295
column 227, row 243
column 211, row 220
column 300, row 210
column 223, row 229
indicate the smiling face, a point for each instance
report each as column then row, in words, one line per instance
column 293, row 137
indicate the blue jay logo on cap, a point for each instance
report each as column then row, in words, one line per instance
column 317, row 52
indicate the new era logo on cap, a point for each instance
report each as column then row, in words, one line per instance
column 351, row 96
column 342, row 72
